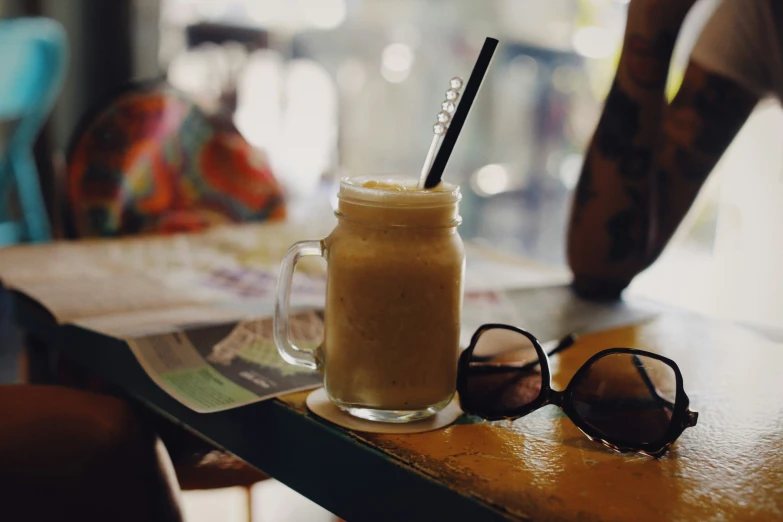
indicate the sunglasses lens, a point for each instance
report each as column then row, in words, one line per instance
column 626, row 397
column 503, row 374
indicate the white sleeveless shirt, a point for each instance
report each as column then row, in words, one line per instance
column 743, row 41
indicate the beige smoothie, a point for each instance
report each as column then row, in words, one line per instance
column 394, row 297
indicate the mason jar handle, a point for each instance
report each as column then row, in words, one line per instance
column 288, row 350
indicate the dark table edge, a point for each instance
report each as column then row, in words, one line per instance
column 353, row 485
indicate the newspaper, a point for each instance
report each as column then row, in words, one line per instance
column 82, row 280
column 195, row 309
column 218, row 367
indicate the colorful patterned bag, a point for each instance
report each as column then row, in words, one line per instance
column 150, row 161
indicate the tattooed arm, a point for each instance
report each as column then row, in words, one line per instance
column 647, row 160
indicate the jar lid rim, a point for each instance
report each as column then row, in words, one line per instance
column 352, row 189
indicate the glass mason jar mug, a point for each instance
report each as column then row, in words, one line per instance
column 395, row 268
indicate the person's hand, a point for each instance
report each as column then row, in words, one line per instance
column 597, row 289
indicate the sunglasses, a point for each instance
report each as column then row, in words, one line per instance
column 628, row 400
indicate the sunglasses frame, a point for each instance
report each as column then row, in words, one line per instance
column 682, row 417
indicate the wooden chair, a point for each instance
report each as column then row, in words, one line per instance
column 149, row 161
column 75, row 455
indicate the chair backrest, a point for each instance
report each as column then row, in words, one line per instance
column 32, row 65
column 148, row 160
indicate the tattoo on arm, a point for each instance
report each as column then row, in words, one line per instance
column 614, row 140
column 634, row 157
column 724, row 104
column 663, row 178
column 619, row 124
column 690, row 166
column 648, row 60
column 699, row 125
column 621, row 228
column 585, row 191
column 701, row 122
column 616, row 132
column 635, row 163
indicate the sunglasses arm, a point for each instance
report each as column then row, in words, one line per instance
column 478, row 364
column 650, row 385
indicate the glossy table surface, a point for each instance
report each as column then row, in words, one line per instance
column 541, row 467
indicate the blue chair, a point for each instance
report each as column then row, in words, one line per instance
column 33, row 55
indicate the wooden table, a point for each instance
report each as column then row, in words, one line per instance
column 729, row 467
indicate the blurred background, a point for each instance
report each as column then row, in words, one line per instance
column 330, row 88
